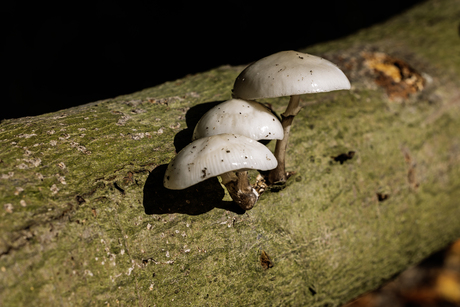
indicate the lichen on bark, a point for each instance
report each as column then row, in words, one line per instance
column 85, row 219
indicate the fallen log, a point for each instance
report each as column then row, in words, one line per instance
column 85, row 219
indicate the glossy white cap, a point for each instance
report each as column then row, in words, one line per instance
column 288, row 73
column 248, row 118
column 215, row 155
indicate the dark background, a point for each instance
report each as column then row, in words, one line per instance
column 58, row 56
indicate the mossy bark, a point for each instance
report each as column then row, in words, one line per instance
column 85, row 219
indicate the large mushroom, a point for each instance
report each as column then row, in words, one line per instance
column 287, row 73
column 221, row 154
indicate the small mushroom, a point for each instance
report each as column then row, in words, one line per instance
column 248, row 118
column 288, row 73
column 221, row 154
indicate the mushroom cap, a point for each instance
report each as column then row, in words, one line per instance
column 288, row 73
column 215, row 155
column 248, row 118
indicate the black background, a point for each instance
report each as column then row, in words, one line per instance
column 61, row 55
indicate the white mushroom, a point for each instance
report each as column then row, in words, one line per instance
column 221, row 155
column 248, row 118
column 288, row 73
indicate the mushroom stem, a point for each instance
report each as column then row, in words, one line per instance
column 279, row 173
column 240, row 189
column 228, row 177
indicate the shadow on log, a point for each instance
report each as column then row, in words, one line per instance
column 197, row 199
column 193, row 115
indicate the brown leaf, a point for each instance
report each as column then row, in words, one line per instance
column 265, row 261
